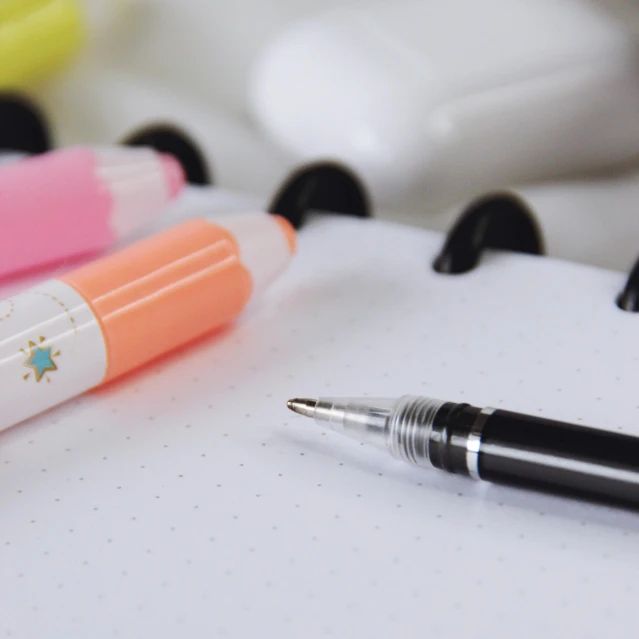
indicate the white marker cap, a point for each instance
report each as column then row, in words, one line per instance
column 266, row 243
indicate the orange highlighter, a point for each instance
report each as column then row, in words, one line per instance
column 71, row 334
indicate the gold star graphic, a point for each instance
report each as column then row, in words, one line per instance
column 40, row 360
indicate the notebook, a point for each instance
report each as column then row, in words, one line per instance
column 185, row 500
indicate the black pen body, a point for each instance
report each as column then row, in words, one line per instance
column 554, row 456
column 493, row 445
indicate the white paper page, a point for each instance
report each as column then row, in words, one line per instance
column 186, row 501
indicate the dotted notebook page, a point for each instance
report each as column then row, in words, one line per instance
column 186, row 500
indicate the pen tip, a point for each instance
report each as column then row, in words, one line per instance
column 304, row 407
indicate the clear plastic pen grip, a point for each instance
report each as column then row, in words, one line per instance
column 402, row 426
column 364, row 420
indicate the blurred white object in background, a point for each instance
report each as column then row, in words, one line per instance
column 510, row 90
column 627, row 10
column 202, row 48
column 432, row 102
column 96, row 105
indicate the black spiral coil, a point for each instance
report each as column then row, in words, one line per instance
column 498, row 221
column 321, row 186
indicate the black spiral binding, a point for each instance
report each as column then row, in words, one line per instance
column 628, row 299
column 167, row 138
column 321, row 186
column 23, row 126
column 504, row 221
column 497, row 221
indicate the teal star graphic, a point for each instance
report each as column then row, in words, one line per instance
column 41, row 361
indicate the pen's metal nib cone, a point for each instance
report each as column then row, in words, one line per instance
column 304, row 407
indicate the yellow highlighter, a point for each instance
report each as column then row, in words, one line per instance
column 37, row 37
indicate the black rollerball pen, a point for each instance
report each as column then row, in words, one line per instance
column 494, row 445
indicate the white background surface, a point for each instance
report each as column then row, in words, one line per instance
column 187, row 501
column 203, row 50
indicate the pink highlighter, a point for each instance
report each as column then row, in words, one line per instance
column 78, row 201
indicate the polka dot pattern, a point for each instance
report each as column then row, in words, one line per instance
column 185, row 500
